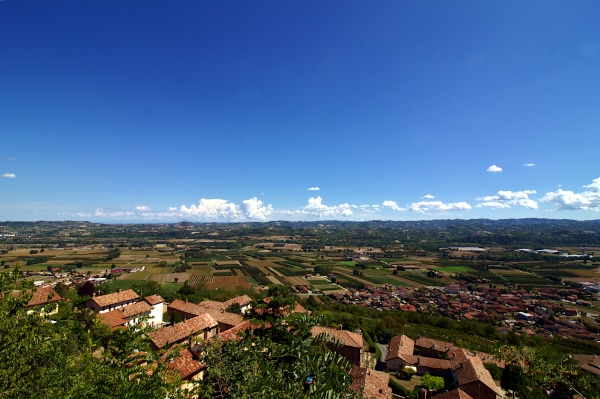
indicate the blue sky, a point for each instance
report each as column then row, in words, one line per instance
column 164, row 111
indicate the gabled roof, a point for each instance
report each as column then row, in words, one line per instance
column 400, row 345
column 234, row 332
column 187, row 307
column 453, row 394
column 348, row 338
column 434, row 344
column 113, row 318
column 184, row 363
column 242, row 300
column 154, row 299
column 135, row 309
column 472, row 370
column 373, row 383
column 434, row 363
column 43, row 296
column 181, row 331
column 221, row 316
column 115, row 298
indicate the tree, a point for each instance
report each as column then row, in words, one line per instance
column 432, row 383
column 293, row 365
column 42, row 360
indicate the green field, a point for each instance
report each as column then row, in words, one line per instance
column 454, row 269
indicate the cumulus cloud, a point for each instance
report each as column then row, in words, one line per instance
column 392, row 205
column 255, row 209
column 172, row 209
column 316, row 208
column 438, row 206
column 212, row 209
column 428, row 196
column 142, row 208
column 9, row 176
column 568, row 200
column 494, row 168
column 529, row 164
column 507, row 199
column 313, row 189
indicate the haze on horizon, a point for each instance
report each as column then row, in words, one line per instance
column 340, row 110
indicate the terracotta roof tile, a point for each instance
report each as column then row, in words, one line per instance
column 473, row 370
column 182, row 330
column 136, row 309
column 453, row 394
column 434, row 344
column 113, row 318
column 400, row 345
column 43, row 296
column 373, row 383
column 115, row 298
column 184, row 364
column 154, row 299
column 348, row 338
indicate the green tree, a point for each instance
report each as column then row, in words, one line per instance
column 432, row 383
column 293, row 365
column 72, row 358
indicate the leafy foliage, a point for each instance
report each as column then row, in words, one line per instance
column 293, row 364
column 74, row 357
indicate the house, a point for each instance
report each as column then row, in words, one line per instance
column 196, row 329
column 453, row 394
column 244, row 301
column 352, row 343
column 473, row 378
column 116, row 300
column 188, row 310
column 434, row 366
column 158, row 309
column 432, row 347
column 371, row 383
column 44, row 300
column 400, row 353
column 182, row 360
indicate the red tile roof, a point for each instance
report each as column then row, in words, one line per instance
column 181, row 331
column 154, row 299
column 115, row 298
column 373, row 383
column 113, row 318
column 453, row 394
column 184, row 363
column 400, row 345
column 135, row 309
column 473, row 370
column 43, row 296
column 348, row 338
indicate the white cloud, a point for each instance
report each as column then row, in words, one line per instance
column 313, row 189
column 9, row 176
column 142, row 208
column 212, row 210
column 172, row 209
column 115, row 214
column 316, row 208
column 438, row 206
column 256, row 210
column 392, row 205
column 566, row 199
column 428, row 196
column 506, row 199
column 528, row 164
column 494, row 168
